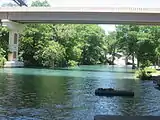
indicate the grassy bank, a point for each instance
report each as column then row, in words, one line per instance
column 146, row 73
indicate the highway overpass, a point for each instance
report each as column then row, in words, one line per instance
column 96, row 15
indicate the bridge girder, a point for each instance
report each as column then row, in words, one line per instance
column 82, row 15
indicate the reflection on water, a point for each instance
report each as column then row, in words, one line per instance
column 38, row 94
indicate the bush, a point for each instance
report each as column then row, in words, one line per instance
column 72, row 63
column 151, row 70
column 145, row 64
column 145, row 74
column 2, row 58
column 51, row 55
column 2, row 61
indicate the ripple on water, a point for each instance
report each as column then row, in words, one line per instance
column 41, row 94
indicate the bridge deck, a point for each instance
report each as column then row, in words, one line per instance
column 107, row 117
column 82, row 15
column 79, row 9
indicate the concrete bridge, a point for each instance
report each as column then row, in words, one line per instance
column 96, row 15
column 15, row 17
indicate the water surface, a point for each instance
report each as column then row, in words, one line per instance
column 68, row 94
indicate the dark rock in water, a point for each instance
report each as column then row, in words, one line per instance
column 157, row 87
column 112, row 92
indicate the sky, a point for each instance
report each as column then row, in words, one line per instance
column 100, row 3
column 121, row 3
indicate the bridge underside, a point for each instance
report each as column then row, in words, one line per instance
column 85, row 18
column 80, row 16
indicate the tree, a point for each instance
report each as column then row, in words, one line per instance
column 34, row 38
column 4, row 39
column 148, row 45
column 38, row 3
column 93, row 37
column 2, row 57
column 111, row 46
column 127, row 37
column 141, row 42
column 53, row 54
column 83, row 43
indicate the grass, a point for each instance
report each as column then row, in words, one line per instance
column 146, row 73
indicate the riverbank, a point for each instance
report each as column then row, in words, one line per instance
column 148, row 73
column 155, row 76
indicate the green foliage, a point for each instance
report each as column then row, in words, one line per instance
column 145, row 63
column 150, row 70
column 127, row 39
column 72, row 63
column 52, row 55
column 33, row 39
column 110, row 46
column 4, row 39
column 141, row 42
column 145, row 74
column 38, row 3
column 83, row 43
column 93, row 37
column 2, row 58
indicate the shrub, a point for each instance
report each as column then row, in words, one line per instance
column 151, row 70
column 2, row 61
column 145, row 74
column 2, row 58
column 72, row 63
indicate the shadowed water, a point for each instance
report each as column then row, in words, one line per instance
column 46, row 94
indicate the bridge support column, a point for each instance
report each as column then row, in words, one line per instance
column 14, row 30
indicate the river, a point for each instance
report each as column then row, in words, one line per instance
column 68, row 94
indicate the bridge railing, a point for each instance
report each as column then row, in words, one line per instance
column 79, row 9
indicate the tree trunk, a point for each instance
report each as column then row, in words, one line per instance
column 126, row 60
column 133, row 65
column 158, row 61
column 137, row 63
column 105, row 57
column 113, row 58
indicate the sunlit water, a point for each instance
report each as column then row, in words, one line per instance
column 46, row 94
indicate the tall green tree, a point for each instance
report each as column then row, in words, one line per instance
column 53, row 54
column 34, row 38
column 111, row 46
column 93, row 37
column 83, row 43
column 127, row 37
column 4, row 38
column 141, row 42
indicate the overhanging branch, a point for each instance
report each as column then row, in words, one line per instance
column 20, row 2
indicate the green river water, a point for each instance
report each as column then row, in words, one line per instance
column 68, row 94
